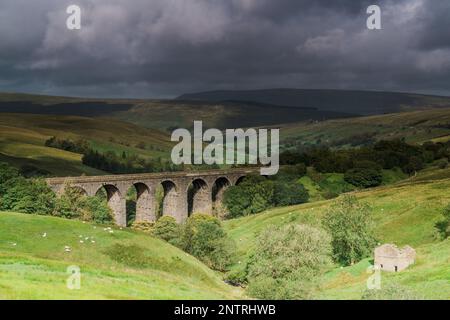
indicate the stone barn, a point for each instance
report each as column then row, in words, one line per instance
column 389, row 257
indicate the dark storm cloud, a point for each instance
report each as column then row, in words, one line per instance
column 161, row 48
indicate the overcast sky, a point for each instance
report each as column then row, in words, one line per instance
column 163, row 48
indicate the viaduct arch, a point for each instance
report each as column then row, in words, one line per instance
column 184, row 192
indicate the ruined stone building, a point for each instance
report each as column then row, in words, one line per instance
column 389, row 257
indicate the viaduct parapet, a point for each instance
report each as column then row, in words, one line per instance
column 184, row 192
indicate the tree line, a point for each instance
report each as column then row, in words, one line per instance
column 34, row 196
column 385, row 154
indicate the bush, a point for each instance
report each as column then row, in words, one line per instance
column 6, row 173
column 364, row 177
column 73, row 203
column 68, row 204
column 236, row 202
column 96, row 209
column 143, row 226
column 351, row 227
column 415, row 164
column 391, row 291
column 204, row 238
column 167, row 229
column 253, row 195
column 287, row 261
column 237, row 276
column 442, row 164
column 28, row 196
column 443, row 226
column 290, row 193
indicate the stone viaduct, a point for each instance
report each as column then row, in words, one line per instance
column 184, row 192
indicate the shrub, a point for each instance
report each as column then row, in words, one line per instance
column 237, row 276
column 69, row 203
column 351, row 227
column 28, row 196
column 364, row 177
column 6, row 173
column 237, row 202
column 204, row 238
column 289, row 193
column 443, row 226
column 254, row 194
column 96, row 209
column 167, row 229
column 143, row 226
column 73, row 203
column 287, row 261
column 442, row 163
column 415, row 164
column 391, row 291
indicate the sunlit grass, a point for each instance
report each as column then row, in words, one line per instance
column 404, row 214
column 34, row 267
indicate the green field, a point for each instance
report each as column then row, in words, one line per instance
column 119, row 265
column 405, row 214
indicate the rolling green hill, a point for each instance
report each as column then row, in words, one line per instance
column 414, row 127
column 119, row 265
column 23, row 136
column 405, row 214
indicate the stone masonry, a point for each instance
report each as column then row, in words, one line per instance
column 389, row 257
column 184, row 192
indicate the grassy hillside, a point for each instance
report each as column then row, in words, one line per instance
column 405, row 213
column 354, row 102
column 118, row 265
column 415, row 127
column 22, row 139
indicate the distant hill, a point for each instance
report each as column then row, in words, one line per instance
column 167, row 114
column 414, row 127
column 343, row 101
